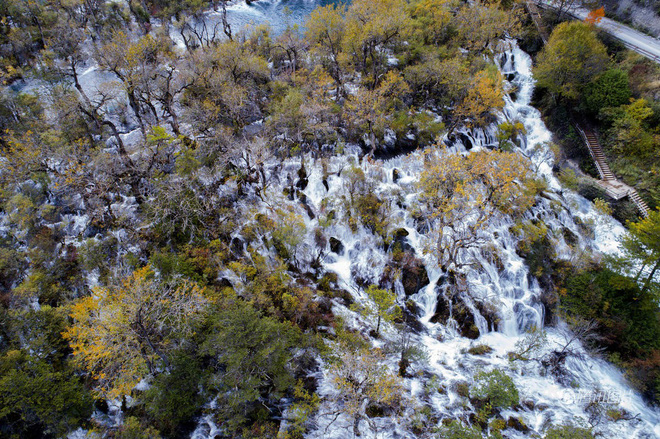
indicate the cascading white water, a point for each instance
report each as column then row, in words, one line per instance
column 509, row 289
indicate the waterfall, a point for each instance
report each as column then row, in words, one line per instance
column 508, row 288
column 504, row 285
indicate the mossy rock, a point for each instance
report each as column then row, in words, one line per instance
column 462, row 388
column 480, row 349
column 517, row 424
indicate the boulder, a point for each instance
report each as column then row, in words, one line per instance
column 303, row 180
column 396, row 175
column 517, row 425
column 456, row 307
column 336, row 246
column 489, row 312
column 413, row 275
column 237, row 246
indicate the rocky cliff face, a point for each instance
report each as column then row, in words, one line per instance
column 642, row 14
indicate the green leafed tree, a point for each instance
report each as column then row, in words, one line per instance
column 123, row 333
column 252, row 355
column 456, row 430
column 384, row 307
column 569, row 431
column 610, row 89
column 641, row 248
column 496, row 388
column 570, row 60
column 38, row 400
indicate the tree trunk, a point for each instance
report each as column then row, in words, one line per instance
column 649, row 279
column 226, row 27
column 372, row 138
column 356, row 425
column 136, row 109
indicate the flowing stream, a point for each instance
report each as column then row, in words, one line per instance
column 278, row 13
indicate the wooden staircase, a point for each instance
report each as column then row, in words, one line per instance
column 614, row 188
column 641, row 204
column 598, row 156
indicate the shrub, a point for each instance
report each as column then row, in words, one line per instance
column 568, row 431
column 568, row 178
column 626, row 317
column 456, row 430
column 481, row 349
column 590, row 191
column 174, row 398
column 495, row 387
column 38, row 400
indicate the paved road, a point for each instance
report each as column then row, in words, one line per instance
column 631, row 38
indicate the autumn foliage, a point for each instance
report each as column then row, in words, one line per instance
column 595, row 16
column 124, row 332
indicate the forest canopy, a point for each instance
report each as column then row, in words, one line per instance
column 198, row 226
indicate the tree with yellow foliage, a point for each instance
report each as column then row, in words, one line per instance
column 325, row 31
column 362, row 380
column 572, row 58
column 370, row 110
column 135, row 63
column 225, row 86
column 124, row 332
column 430, row 19
column 463, row 193
column 484, row 95
column 482, row 23
column 371, row 26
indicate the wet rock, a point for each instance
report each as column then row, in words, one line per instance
column 303, row 200
column 570, row 237
column 528, row 404
column 91, row 231
column 224, row 283
column 102, row 405
column 401, row 243
column 289, row 193
column 466, row 141
column 303, row 180
column 466, row 322
column 489, row 312
column 410, row 315
column 396, row 175
column 413, row 275
column 302, row 184
column 549, row 299
column 336, row 246
column 517, row 425
column 442, row 309
column 459, row 311
column 376, row 411
column 401, row 233
column 237, row 246
column 403, row 368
